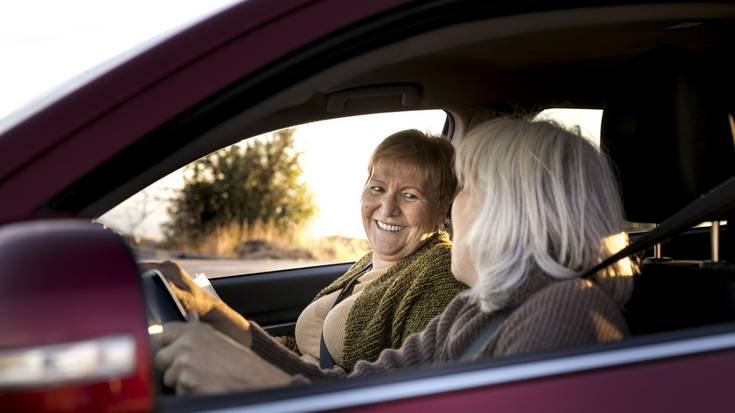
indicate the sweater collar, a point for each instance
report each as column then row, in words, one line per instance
column 534, row 282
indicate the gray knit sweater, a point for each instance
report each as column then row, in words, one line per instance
column 550, row 315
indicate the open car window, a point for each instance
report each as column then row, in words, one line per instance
column 588, row 122
column 280, row 200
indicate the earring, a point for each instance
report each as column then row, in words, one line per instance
column 446, row 225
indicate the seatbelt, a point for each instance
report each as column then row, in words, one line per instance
column 482, row 339
column 325, row 358
column 718, row 201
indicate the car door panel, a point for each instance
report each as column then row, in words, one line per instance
column 633, row 375
column 275, row 299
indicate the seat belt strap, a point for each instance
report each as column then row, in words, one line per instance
column 483, row 338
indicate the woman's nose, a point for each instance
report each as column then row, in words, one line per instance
column 389, row 206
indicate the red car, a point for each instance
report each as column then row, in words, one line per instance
column 73, row 314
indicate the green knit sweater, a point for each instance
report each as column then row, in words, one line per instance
column 397, row 304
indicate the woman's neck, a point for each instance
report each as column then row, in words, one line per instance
column 380, row 264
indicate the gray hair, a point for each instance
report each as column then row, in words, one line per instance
column 549, row 202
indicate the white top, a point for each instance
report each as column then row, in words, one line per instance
column 317, row 315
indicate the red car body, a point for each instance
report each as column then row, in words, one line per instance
column 52, row 147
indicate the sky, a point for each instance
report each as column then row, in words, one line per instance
column 45, row 44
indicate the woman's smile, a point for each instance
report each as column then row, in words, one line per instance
column 388, row 227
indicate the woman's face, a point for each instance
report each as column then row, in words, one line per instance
column 399, row 211
column 464, row 211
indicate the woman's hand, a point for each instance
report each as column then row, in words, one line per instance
column 191, row 296
column 197, row 359
column 208, row 308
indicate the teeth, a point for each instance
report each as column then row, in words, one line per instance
column 388, row 227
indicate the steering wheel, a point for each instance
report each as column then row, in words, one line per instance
column 163, row 307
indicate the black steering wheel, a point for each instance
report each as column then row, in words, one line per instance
column 163, row 306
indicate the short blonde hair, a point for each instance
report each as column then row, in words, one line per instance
column 549, row 201
column 432, row 157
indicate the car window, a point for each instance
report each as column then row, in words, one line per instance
column 588, row 122
column 285, row 199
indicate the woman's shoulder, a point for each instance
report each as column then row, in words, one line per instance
column 564, row 314
column 432, row 263
column 440, row 242
column 573, row 301
column 437, row 250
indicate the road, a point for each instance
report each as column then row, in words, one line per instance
column 215, row 267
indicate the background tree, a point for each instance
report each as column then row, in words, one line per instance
column 245, row 185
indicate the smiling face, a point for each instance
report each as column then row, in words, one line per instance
column 399, row 211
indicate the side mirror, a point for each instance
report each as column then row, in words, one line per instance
column 73, row 323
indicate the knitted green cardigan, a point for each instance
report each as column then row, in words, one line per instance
column 397, row 304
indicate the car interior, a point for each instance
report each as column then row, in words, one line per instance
column 661, row 73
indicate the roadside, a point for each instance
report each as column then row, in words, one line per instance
column 216, row 267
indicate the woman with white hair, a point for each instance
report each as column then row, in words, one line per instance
column 538, row 206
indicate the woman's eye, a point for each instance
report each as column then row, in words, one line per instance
column 410, row 197
column 377, row 189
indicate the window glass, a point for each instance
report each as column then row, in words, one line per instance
column 284, row 199
column 588, row 122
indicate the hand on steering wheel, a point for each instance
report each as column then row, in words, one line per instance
column 195, row 299
column 192, row 297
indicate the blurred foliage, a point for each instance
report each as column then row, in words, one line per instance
column 244, row 186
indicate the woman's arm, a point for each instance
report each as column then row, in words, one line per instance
column 198, row 359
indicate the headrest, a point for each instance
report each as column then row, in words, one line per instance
column 665, row 127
